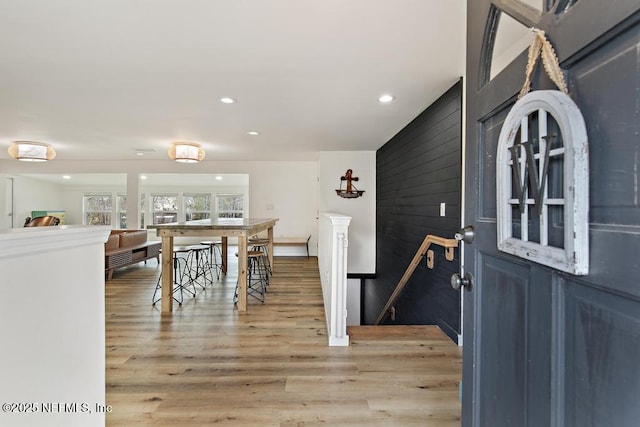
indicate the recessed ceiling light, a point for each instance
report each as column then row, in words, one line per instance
column 253, row 132
column 218, row 177
column 66, row 177
column 227, row 100
column 386, row 98
column 143, row 176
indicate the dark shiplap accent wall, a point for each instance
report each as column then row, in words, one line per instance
column 418, row 169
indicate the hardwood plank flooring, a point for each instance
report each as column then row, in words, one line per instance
column 206, row 364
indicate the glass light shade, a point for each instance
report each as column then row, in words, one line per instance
column 186, row 152
column 31, row 151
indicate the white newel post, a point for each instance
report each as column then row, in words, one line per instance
column 52, row 362
column 333, row 245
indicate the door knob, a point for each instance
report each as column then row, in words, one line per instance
column 458, row 282
column 466, row 234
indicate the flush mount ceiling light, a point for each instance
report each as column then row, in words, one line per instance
column 31, row 151
column 386, row 98
column 253, row 132
column 186, row 152
column 227, row 100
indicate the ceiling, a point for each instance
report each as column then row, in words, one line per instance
column 106, row 79
column 147, row 180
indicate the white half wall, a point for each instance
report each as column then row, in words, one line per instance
column 53, row 340
column 362, row 230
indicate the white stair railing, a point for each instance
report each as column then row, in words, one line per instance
column 333, row 243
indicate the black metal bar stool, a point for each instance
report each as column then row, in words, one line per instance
column 181, row 278
column 256, row 276
column 215, row 256
column 262, row 244
column 198, row 263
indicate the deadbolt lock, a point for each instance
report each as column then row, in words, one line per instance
column 458, row 282
column 467, row 234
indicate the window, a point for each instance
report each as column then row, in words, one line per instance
column 97, row 209
column 230, row 205
column 197, row 206
column 122, row 211
column 165, row 208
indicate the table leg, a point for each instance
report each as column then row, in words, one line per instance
column 224, row 254
column 167, row 274
column 242, row 274
column 270, row 247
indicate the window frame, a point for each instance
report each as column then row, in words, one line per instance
column 86, row 211
column 574, row 256
column 219, row 211
column 188, row 212
column 178, row 206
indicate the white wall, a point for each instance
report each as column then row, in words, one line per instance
column 362, row 230
column 6, row 201
column 284, row 190
column 288, row 191
column 34, row 195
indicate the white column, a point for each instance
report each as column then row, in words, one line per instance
column 333, row 243
column 133, row 201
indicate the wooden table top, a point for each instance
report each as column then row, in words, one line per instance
column 219, row 223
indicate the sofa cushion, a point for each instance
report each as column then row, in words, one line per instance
column 132, row 238
column 113, row 242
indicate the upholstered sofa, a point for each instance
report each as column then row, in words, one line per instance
column 126, row 247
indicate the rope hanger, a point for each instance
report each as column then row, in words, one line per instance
column 540, row 46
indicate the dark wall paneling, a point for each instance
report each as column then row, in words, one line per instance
column 418, row 169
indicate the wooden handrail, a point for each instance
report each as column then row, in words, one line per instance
column 448, row 244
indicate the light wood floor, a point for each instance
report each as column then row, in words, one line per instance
column 208, row 365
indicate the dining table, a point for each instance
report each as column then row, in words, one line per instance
column 241, row 228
